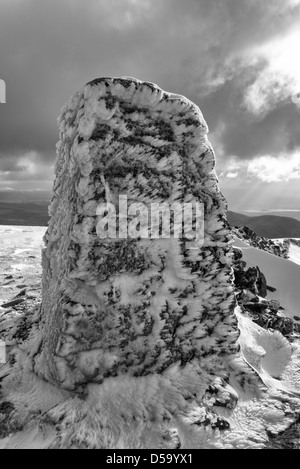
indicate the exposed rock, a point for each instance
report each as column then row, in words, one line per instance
column 288, row 439
column 21, row 293
column 260, row 242
column 15, row 302
column 269, row 321
column 251, row 289
column 251, row 279
column 274, row 305
column 9, row 282
column 6, row 408
column 258, row 307
column 297, row 327
column 294, row 241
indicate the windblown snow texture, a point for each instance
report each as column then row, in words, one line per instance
column 133, row 306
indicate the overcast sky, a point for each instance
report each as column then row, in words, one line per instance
column 237, row 59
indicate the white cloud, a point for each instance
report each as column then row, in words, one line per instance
column 28, row 163
column 271, row 169
column 232, row 168
column 232, row 175
column 25, row 171
column 280, row 78
column 267, row 168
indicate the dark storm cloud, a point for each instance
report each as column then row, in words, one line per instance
column 277, row 133
column 50, row 48
column 244, row 136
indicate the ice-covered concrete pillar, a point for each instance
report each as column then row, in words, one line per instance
column 130, row 306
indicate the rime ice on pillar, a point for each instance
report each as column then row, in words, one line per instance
column 134, row 307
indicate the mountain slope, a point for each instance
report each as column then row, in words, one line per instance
column 270, row 226
column 24, row 213
column 270, row 354
column 36, row 214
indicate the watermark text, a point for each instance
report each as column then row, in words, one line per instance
column 152, row 221
column 2, row 91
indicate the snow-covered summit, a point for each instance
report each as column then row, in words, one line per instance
column 140, row 343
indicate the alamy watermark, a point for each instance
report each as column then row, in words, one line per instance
column 2, row 91
column 2, row 351
column 151, row 221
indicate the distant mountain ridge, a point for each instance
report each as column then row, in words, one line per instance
column 269, row 226
column 24, row 213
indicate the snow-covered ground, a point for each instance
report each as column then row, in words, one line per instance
column 20, row 254
column 268, row 353
column 294, row 250
column 27, row 238
column 294, row 253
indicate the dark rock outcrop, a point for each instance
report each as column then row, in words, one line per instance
column 251, row 278
column 278, row 249
column 252, row 289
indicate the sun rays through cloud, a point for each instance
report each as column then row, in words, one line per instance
column 236, row 59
